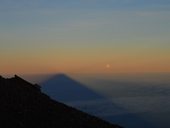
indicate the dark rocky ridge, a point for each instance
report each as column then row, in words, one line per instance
column 22, row 105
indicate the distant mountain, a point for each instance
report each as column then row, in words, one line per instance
column 22, row 105
column 63, row 88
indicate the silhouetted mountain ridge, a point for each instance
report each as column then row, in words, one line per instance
column 22, row 105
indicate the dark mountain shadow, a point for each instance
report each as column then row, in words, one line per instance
column 62, row 88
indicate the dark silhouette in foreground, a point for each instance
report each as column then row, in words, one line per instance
column 22, row 105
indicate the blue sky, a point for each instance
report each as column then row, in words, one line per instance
column 43, row 14
column 101, row 27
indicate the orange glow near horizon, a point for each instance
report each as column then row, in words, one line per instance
column 85, row 65
column 84, row 37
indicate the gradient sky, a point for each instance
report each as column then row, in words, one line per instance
column 86, row 36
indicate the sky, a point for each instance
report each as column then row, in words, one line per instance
column 84, row 36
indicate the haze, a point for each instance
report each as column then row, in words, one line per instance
column 84, row 36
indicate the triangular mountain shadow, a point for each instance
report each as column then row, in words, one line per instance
column 62, row 88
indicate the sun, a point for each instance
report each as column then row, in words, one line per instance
column 108, row 66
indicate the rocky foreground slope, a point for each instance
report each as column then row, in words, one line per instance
column 22, row 105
